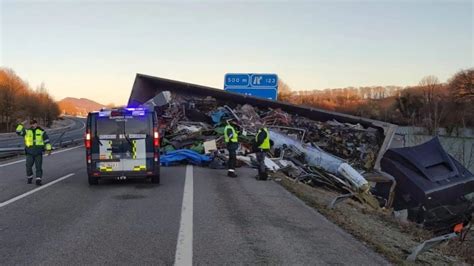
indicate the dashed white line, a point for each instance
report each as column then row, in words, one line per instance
column 184, row 248
column 5, row 203
column 56, row 152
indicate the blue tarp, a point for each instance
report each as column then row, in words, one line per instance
column 183, row 156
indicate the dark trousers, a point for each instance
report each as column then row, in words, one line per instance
column 37, row 160
column 262, row 169
column 232, row 148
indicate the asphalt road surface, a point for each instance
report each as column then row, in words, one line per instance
column 74, row 133
column 196, row 216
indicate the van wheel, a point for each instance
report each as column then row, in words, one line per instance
column 93, row 180
column 155, row 179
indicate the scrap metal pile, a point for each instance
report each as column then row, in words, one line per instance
column 330, row 154
column 315, row 152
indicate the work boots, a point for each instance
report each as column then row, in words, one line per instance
column 38, row 181
column 29, row 180
column 231, row 174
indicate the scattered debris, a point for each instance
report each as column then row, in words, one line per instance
column 210, row 146
column 340, row 157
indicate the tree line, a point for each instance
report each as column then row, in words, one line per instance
column 19, row 102
column 430, row 104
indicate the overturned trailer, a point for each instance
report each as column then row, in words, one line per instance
column 147, row 87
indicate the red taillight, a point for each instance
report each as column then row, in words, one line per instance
column 88, row 140
column 156, row 138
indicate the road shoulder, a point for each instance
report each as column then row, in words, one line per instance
column 377, row 229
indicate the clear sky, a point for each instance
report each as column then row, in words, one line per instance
column 94, row 49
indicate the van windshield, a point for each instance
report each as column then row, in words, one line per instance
column 135, row 125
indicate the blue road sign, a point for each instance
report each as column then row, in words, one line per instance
column 257, row 85
column 264, row 80
column 236, row 80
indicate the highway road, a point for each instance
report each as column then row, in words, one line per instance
column 74, row 133
column 196, row 216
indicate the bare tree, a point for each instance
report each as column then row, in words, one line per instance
column 461, row 92
column 284, row 91
column 461, row 86
column 432, row 100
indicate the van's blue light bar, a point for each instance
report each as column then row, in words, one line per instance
column 127, row 111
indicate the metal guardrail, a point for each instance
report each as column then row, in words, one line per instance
column 65, row 128
column 11, row 149
column 8, row 152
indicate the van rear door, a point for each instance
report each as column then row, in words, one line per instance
column 125, row 141
column 109, row 143
column 136, row 137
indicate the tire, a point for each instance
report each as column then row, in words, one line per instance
column 155, row 179
column 93, row 180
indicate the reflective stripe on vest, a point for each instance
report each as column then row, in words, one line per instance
column 266, row 142
column 34, row 137
column 234, row 138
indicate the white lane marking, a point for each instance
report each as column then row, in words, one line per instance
column 56, row 152
column 184, row 248
column 5, row 203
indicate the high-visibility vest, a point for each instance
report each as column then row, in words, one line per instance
column 34, row 137
column 266, row 142
column 235, row 137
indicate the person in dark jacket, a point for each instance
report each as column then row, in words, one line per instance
column 262, row 144
column 231, row 137
column 36, row 142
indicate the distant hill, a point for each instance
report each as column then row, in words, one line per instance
column 75, row 106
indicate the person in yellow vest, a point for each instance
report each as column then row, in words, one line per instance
column 36, row 142
column 231, row 137
column 262, row 144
